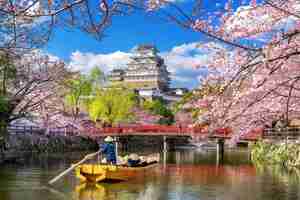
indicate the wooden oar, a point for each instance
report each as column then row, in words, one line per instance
column 87, row 157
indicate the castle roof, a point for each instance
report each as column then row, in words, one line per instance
column 144, row 47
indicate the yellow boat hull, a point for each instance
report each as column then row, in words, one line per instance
column 102, row 172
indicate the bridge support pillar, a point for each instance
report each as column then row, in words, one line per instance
column 117, row 148
column 250, row 146
column 220, row 150
column 165, row 150
column 165, row 147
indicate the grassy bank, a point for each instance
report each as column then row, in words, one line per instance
column 283, row 154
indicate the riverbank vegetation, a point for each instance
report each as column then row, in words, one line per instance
column 253, row 58
column 30, row 86
column 283, row 154
column 279, row 172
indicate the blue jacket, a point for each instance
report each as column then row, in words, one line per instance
column 109, row 149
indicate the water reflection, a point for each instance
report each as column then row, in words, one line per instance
column 90, row 192
column 186, row 175
column 190, row 182
column 115, row 191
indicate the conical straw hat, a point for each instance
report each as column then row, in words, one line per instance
column 108, row 139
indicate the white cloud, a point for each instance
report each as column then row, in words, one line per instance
column 243, row 18
column 184, row 49
column 183, row 79
column 247, row 19
column 190, row 56
column 86, row 61
column 181, row 61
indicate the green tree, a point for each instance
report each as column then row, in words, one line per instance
column 26, row 83
column 159, row 107
column 7, row 73
column 78, row 91
column 7, row 78
column 81, row 89
column 3, row 104
column 112, row 106
column 97, row 77
column 177, row 106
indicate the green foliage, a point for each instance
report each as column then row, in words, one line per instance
column 96, row 77
column 158, row 107
column 4, row 104
column 185, row 99
column 8, row 73
column 179, row 108
column 166, row 120
column 4, row 109
column 284, row 154
column 7, row 76
column 78, row 88
column 96, row 74
column 81, row 88
column 112, row 106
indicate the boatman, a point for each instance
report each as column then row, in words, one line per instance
column 109, row 149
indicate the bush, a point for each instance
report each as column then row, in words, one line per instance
column 284, row 154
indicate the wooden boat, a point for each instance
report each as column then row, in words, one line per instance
column 102, row 172
column 105, row 172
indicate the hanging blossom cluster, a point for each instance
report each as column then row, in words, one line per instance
column 36, row 83
column 247, row 20
column 144, row 117
column 152, row 5
column 27, row 24
column 257, row 84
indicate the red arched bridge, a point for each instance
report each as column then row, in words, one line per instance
column 143, row 130
column 159, row 130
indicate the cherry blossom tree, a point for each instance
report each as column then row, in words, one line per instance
column 253, row 59
column 259, row 84
column 27, row 24
column 35, row 81
column 142, row 116
column 253, row 49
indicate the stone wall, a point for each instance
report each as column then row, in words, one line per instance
column 15, row 144
column 49, row 143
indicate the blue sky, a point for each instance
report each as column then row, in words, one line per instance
column 176, row 44
column 124, row 33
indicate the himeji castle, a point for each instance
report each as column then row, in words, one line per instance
column 146, row 73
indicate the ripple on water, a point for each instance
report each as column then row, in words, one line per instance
column 188, row 175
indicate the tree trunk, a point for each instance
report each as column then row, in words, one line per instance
column 4, row 122
column 3, row 137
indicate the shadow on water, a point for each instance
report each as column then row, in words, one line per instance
column 187, row 174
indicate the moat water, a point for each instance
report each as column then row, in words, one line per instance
column 187, row 174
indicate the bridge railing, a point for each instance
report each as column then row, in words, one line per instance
column 142, row 129
column 222, row 133
column 159, row 130
column 281, row 133
column 120, row 130
column 24, row 129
